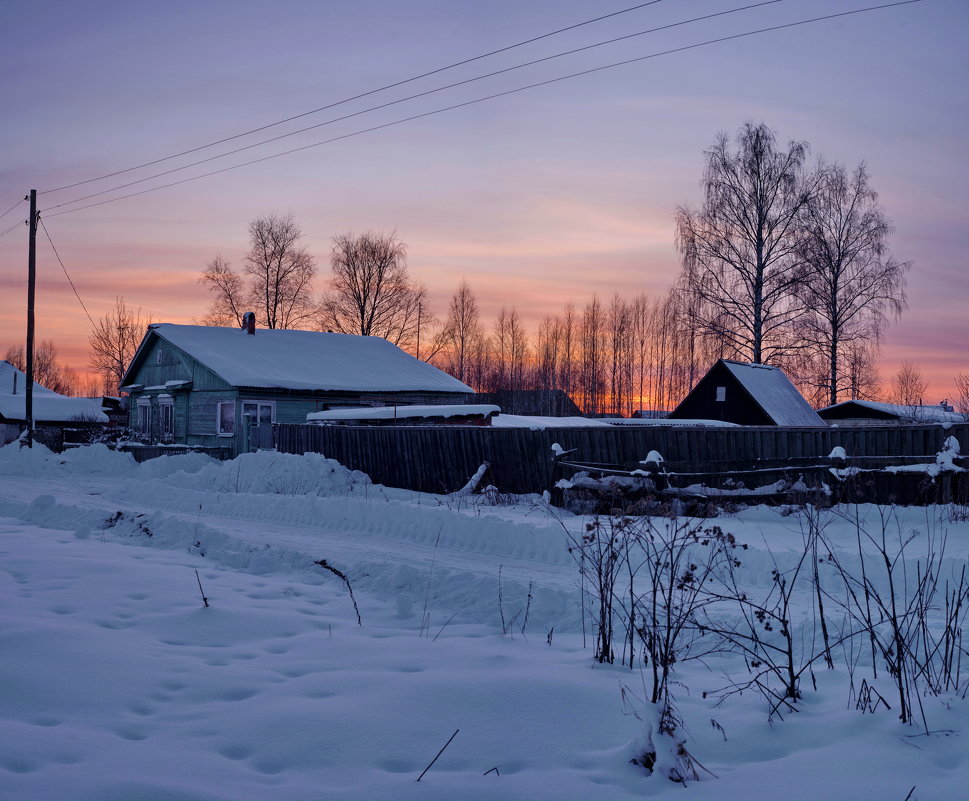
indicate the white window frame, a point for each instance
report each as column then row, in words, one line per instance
column 166, row 415
column 721, row 394
column 259, row 404
column 218, row 419
column 143, row 416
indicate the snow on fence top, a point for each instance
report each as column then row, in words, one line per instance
column 404, row 412
column 306, row 360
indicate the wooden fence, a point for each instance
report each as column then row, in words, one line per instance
column 441, row 459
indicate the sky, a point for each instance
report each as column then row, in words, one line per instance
column 536, row 198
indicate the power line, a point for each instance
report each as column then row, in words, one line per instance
column 411, row 97
column 59, row 261
column 22, row 200
column 505, row 93
column 359, row 96
column 11, row 228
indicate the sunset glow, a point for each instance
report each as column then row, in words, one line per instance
column 536, row 198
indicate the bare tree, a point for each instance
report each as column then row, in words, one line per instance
column 370, row 290
column 740, row 249
column 16, row 356
column 962, row 394
column 280, row 276
column 852, row 285
column 908, row 387
column 48, row 372
column 461, row 335
column 114, row 340
column 281, row 272
column 230, row 299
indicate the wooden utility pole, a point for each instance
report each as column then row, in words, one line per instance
column 31, row 280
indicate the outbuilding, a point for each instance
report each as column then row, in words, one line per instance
column 747, row 394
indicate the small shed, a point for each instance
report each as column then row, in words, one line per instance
column 747, row 394
column 863, row 412
column 206, row 385
column 51, row 410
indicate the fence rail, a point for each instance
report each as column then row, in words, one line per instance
column 441, row 459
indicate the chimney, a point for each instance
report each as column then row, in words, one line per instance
column 15, row 383
column 249, row 323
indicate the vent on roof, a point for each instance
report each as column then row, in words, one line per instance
column 249, row 323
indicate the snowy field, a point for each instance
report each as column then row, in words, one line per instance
column 116, row 684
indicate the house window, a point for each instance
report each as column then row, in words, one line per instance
column 143, row 420
column 160, row 357
column 225, row 421
column 261, row 412
column 166, row 418
column 721, row 394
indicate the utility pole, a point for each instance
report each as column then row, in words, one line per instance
column 31, row 280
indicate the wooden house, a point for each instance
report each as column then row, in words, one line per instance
column 205, row 385
column 747, row 394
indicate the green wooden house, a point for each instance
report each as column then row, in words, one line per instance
column 207, row 386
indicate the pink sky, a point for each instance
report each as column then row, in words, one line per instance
column 536, row 198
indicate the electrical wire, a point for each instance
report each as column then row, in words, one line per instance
column 410, row 97
column 12, row 227
column 59, row 261
column 590, row 71
column 22, row 200
column 359, row 96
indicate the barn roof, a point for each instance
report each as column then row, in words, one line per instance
column 48, row 406
column 774, row 393
column 303, row 360
column 890, row 411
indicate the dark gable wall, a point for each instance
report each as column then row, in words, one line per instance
column 738, row 406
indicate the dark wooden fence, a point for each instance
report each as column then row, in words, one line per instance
column 441, row 459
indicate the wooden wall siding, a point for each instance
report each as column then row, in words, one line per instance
column 441, row 459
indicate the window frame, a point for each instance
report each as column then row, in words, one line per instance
column 143, row 415
column 166, row 418
column 259, row 404
column 218, row 418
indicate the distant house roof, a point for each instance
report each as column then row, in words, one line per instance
column 761, row 395
column 47, row 405
column 303, row 360
column 876, row 410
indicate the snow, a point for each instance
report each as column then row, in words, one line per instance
column 305, row 360
column 116, row 684
column 405, row 412
column 48, row 406
column 777, row 396
column 537, row 423
column 664, row 421
column 919, row 414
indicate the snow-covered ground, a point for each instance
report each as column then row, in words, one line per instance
column 116, row 684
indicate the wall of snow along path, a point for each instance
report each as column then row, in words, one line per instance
column 270, row 513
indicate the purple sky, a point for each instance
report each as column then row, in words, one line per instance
column 536, row 198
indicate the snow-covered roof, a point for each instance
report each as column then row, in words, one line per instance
column 921, row 414
column 306, row 360
column 405, row 412
column 48, row 406
column 11, row 378
column 777, row 396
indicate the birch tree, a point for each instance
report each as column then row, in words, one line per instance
column 852, row 286
column 740, row 249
